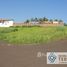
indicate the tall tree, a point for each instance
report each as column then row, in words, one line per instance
column 56, row 20
column 40, row 20
column 36, row 19
column 60, row 20
column 45, row 19
column 32, row 20
column 51, row 21
column 27, row 21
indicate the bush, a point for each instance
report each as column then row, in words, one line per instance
column 7, row 30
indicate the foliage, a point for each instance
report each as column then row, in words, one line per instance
column 43, row 19
column 32, row 35
column 27, row 21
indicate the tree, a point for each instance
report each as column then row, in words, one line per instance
column 36, row 19
column 27, row 21
column 65, row 24
column 60, row 20
column 45, row 19
column 56, row 20
column 40, row 20
column 32, row 19
column 51, row 20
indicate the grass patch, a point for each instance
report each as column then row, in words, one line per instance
column 32, row 35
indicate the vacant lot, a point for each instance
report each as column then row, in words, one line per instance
column 32, row 35
column 26, row 55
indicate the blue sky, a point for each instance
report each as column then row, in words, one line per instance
column 20, row 10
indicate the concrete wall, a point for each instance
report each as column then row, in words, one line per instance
column 6, row 24
column 50, row 24
column 55, row 22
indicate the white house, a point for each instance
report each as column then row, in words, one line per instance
column 6, row 23
column 55, row 22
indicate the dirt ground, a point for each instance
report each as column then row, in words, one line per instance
column 26, row 56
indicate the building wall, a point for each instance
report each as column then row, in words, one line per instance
column 10, row 23
column 51, row 25
column 43, row 24
column 55, row 22
column 6, row 24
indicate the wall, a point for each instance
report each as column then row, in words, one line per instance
column 6, row 24
column 54, row 24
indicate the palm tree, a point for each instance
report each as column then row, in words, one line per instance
column 51, row 21
column 56, row 20
column 27, row 21
column 32, row 19
column 40, row 20
column 45, row 19
column 36, row 19
column 60, row 20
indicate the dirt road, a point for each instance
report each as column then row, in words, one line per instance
column 26, row 56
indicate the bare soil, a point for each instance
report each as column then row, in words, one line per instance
column 26, row 55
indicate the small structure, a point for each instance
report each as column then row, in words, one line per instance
column 55, row 22
column 6, row 23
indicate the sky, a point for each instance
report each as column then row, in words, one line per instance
column 20, row 10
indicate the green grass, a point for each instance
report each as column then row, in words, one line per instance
column 32, row 35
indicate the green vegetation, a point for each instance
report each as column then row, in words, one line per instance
column 43, row 19
column 32, row 35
